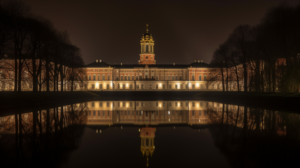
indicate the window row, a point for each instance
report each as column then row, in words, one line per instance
column 158, row 86
column 99, row 77
column 152, row 77
column 199, row 77
column 157, row 104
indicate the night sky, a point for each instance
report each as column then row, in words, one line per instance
column 183, row 31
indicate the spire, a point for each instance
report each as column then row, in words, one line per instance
column 147, row 30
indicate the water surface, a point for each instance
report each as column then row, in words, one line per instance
column 150, row 134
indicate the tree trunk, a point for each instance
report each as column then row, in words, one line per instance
column 16, row 73
column 245, row 78
column 61, row 78
column 20, row 74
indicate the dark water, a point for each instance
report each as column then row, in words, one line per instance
column 150, row 133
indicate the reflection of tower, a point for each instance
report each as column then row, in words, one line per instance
column 147, row 56
column 147, row 135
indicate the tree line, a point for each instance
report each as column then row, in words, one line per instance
column 34, row 53
column 264, row 57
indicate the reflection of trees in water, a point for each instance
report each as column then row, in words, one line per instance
column 41, row 138
column 252, row 137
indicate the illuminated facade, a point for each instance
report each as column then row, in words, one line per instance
column 147, row 75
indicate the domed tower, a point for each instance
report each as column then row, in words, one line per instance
column 147, row 135
column 147, row 56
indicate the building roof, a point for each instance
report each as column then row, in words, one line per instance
column 131, row 66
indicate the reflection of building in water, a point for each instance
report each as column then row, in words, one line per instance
column 147, row 135
column 26, row 138
column 147, row 112
column 52, row 119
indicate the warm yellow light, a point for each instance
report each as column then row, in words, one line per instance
column 160, row 105
column 127, row 84
column 197, row 84
column 160, row 85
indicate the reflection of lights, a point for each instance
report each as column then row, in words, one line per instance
column 169, row 112
column 96, row 131
column 169, row 119
column 121, row 127
column 174, row 127
column 199, row 120
column 139, row 130
column 141, row 112
column 100, row 131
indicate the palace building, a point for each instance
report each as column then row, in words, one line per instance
column 145, row 75
column 148, row 74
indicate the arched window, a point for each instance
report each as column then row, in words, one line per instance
column 200, row 77
column 147, row 48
